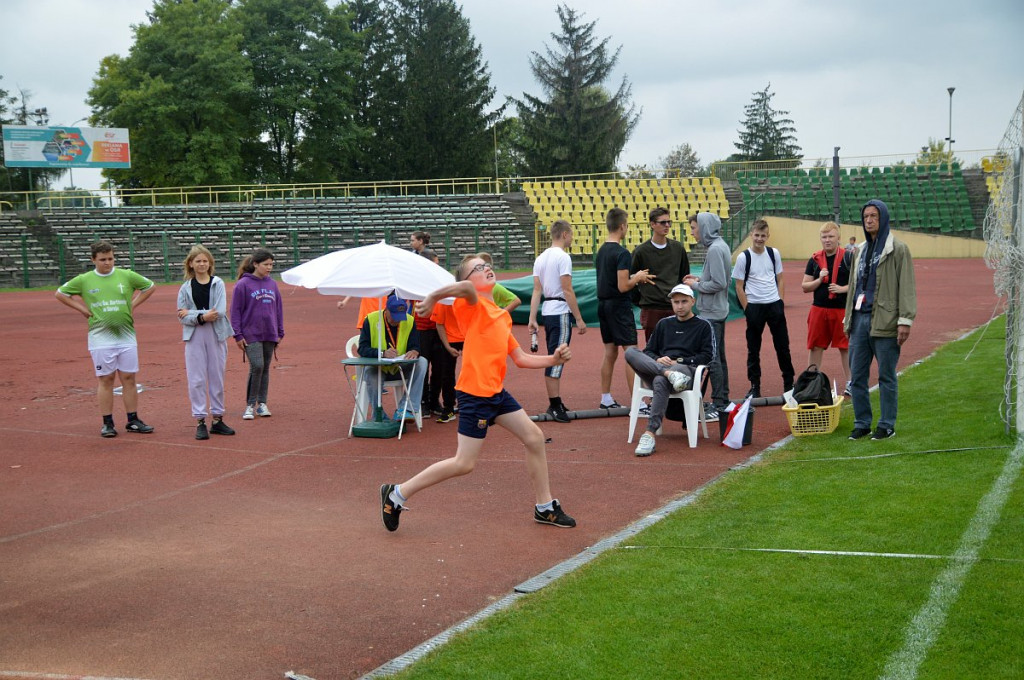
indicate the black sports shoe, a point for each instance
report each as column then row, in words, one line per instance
column 447, row 417
column 108, row 431
column 201, row 431
column 859, row 433
column 755, row 391
column 557, row 413
column 555, row 517
column 614, row 404
column 219, row 427
column 138, row 427
column 883, row 433
column 389, row 512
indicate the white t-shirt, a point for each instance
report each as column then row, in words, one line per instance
column 550, row 267
column 761, row 287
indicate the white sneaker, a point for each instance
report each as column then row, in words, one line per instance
column 262, row 411
column 248, row 415
column 646, row 445
column 679, row 380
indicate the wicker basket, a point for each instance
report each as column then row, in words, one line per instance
column 807, row 419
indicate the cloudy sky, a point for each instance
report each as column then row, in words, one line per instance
column 868, row 76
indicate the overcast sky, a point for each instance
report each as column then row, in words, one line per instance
column 868, row 76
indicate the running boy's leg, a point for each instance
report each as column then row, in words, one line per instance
column 526, row 431
column 462, row 463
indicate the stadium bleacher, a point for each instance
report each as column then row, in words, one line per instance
column 584, row 203
column 153, row 240
column 928, row 197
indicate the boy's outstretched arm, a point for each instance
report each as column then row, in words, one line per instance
column 524, row 360
column 460, row 289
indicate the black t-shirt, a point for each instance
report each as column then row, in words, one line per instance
column 201, row 294
column 822, row 297
column 611, row 257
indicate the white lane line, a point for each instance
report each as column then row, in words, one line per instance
column 923, row 630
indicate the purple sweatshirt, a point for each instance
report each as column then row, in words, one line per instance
column 256, row 312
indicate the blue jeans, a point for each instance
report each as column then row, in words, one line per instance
column 719, row 369
column 415, row 395
column 886, row 351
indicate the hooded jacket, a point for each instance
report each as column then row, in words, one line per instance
column 713, row 287
column 256, row 311
column 218, row 301
column 893, row 297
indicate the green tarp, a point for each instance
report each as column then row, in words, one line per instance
column 584, row 283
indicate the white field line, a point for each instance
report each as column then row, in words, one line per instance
column 925, row 627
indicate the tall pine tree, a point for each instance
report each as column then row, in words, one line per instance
column 423, row 90
column 767, row 134
column 576, row 126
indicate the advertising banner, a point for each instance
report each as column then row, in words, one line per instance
column 29, row 146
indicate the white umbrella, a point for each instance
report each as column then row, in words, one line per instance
column 370, row 271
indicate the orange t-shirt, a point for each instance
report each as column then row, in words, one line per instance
column 367, row 305
column 489, row 341
column 453, row 328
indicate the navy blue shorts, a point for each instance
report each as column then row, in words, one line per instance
column 476, row 414
column 557, row 332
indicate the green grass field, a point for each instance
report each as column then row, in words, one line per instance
column 920, row 572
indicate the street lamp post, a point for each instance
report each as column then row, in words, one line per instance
column 42, row 117
column 71, row 168
column 950, row 139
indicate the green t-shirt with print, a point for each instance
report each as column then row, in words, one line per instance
column 109, row 298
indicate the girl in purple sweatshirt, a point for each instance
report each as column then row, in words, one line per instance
column 258, row 320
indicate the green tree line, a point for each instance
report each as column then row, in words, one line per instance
column 222, row 92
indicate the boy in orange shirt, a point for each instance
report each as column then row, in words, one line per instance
column 483, row 400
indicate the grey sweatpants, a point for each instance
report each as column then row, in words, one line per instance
column 205, row 360
column 651, row 373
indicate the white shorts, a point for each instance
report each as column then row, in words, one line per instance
column 106, row 360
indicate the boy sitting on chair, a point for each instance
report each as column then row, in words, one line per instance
column 679, row 344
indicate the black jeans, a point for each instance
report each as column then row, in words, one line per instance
column 772, row 314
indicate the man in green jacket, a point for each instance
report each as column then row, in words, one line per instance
column 880, row 308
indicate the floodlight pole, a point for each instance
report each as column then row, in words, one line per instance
column 950, row 139
column 835, row 183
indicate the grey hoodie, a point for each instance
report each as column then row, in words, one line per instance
column 713, row 300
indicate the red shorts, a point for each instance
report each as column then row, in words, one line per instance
column 825, row 328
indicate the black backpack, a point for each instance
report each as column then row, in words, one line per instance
column 813, row 387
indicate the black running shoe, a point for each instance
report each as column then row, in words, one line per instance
column 138, row 427
column 389, row 512
column 555, row 517
column 558, row 413
column 108, row 431
column 614, row 404
column 219, row 427
column 446, row 417
column 859, row 433
column 883, row 433
column 201, row 431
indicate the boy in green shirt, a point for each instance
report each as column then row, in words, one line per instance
column 107, row 299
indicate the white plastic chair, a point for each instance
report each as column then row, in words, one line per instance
column 395, row 385
column 693, row 406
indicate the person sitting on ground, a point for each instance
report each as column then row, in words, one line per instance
column 678, row 345
column 391, row 337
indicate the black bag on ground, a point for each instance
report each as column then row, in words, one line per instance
column 813, row 387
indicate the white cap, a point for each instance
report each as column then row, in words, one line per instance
column 681, row 288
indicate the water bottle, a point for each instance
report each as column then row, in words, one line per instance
column 533, row 341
